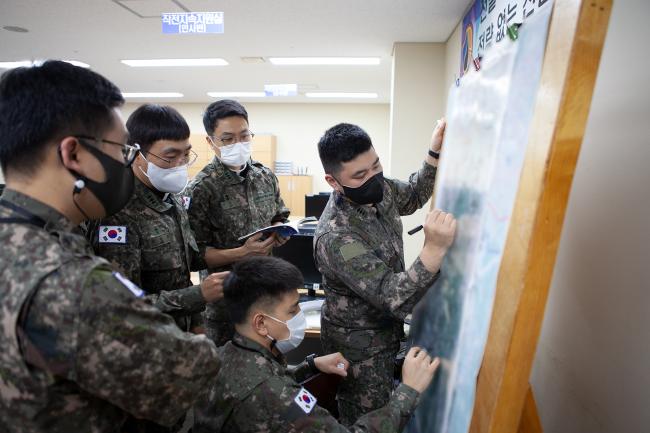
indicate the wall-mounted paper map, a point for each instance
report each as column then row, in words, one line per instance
column 489, row 118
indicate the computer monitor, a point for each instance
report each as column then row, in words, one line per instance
column 299, row 251
column 315, row 204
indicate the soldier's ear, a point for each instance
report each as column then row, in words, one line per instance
column 69, row 152
column 259, row 324
column 333, row 182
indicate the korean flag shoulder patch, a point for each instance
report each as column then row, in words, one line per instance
column 112, row 234
column 305, row 400
column 137, row 291
column 186, row 201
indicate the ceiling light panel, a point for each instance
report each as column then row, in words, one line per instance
column 237, row 94
column 158, row 63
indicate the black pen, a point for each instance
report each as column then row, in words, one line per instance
column 415, row 230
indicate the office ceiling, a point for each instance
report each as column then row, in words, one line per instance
column 103, row 32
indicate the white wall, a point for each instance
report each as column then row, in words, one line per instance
column 592, row 369
column 298, row 128
column 417, row 100
column 452, row 59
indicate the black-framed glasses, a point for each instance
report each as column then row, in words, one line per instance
column 228, row 140
column 129, row 152
column 188, row 159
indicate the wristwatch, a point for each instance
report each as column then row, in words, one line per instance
column 433, row 154
column 311, row 363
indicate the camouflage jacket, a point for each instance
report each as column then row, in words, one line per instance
column 256, row 392
column 80, row 347
column 225, row 206
column 154, row 247
column 360, row 253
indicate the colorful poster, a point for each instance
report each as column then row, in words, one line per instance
column 489, row 116
column 469, row 37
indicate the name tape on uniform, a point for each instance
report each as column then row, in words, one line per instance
column 351, row 251
column 305, row 400
column 112, row 234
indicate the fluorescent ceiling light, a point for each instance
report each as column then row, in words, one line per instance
column 324, row 60
column 28, row 63
column 341, row 95
column 11, row 65
column 78, row 63
column 152, row 95
column 237, row 94
column 174, row 62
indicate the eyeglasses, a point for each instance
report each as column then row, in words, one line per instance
column 129, row 152
column 228, row 140
column 188, row 159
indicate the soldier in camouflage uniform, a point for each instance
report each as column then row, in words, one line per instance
column 231, row 197
column 152, row 241
column 359, row 250
column 256, row 392
column 81, row 349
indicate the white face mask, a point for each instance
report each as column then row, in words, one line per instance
column 296, row 325
column 173, row 180
column 236, row 155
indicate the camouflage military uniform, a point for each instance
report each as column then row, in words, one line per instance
column 360, row 252
column 80, row 348
column 256, row 392
column 224, row 206
column 157, row 251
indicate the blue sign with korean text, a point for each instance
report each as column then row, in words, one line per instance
column 192, row 22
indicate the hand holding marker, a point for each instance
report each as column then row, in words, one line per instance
column 415, row 229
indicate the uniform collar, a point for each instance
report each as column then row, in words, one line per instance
column 229, row 176
column 150, row 198
column 54, row 220
column 253, row 346
column 347, row 206
column 68, row 234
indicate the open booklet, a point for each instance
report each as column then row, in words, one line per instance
column 284, row 230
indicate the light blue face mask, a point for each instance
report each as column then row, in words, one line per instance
column 296, row 325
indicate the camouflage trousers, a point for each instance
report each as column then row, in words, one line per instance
column 370, row 379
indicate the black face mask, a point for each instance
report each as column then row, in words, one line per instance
column 117, row 190
column 371, row 192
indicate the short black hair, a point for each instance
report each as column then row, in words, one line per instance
column 47, row 102
column 150, row 123
column 221, row 110
column 258, row 279
column 342, row 143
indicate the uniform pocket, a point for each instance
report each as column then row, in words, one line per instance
column 159, row 249
column 161, row 256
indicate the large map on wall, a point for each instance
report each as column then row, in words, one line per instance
column 489, row 117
